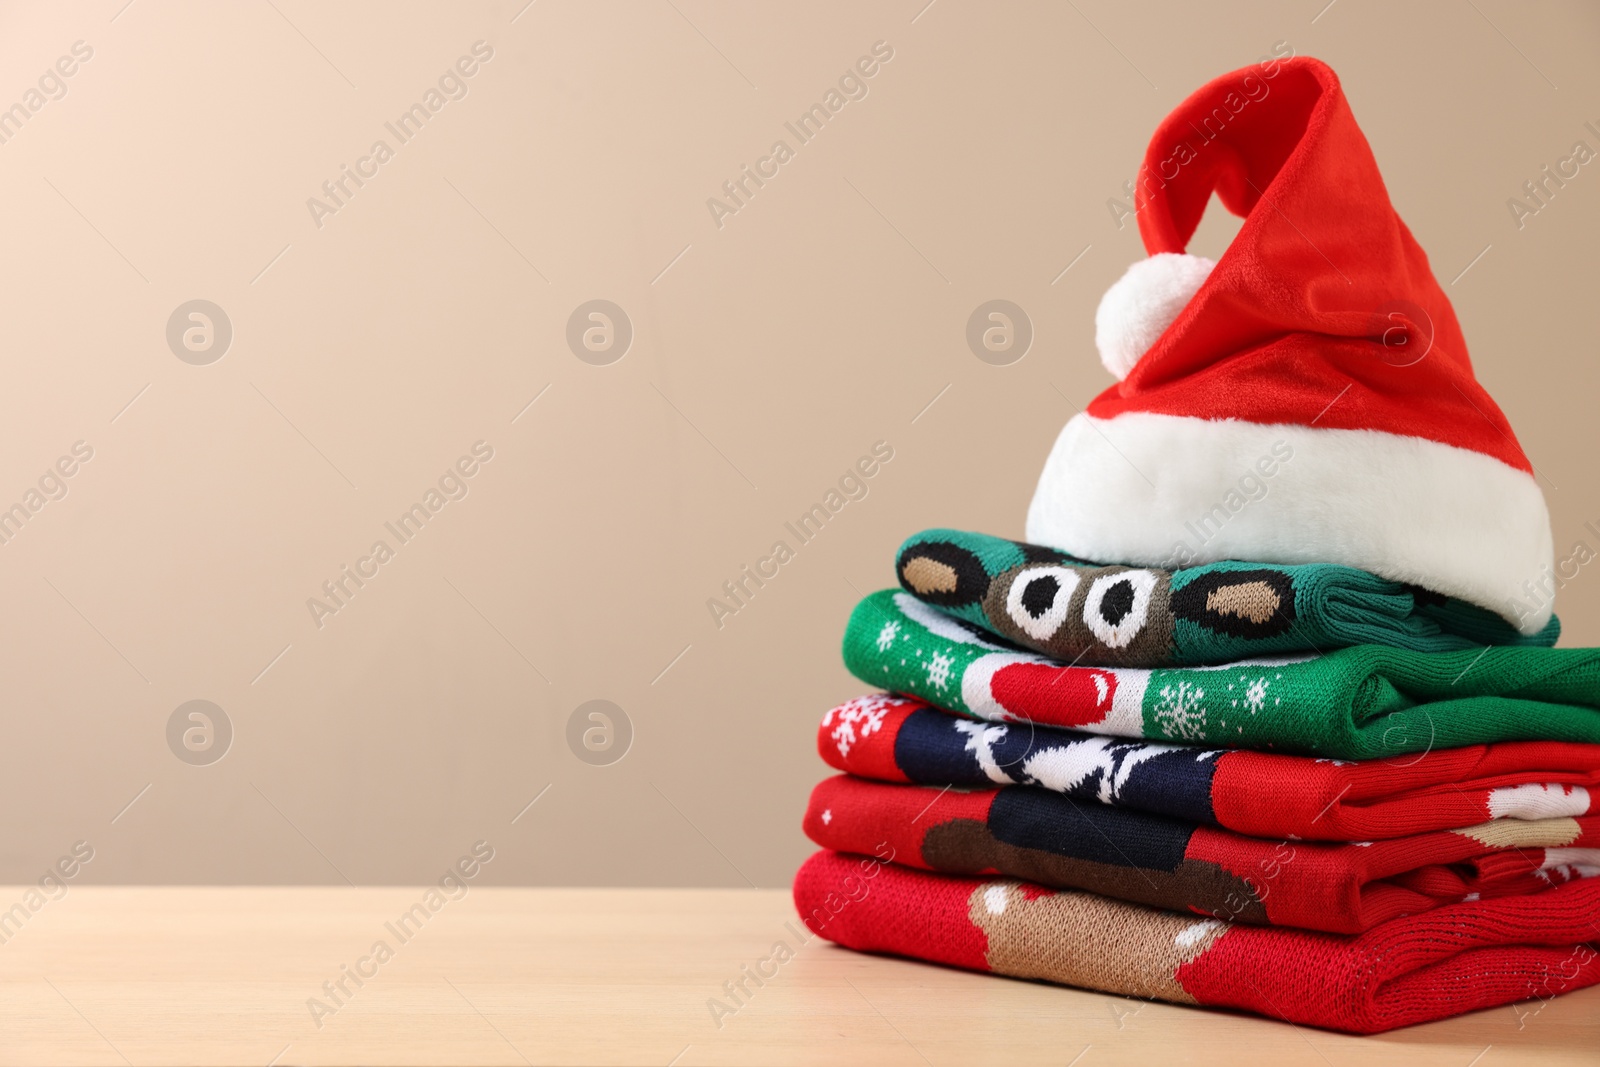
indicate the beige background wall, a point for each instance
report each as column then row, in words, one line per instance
column 370, row 352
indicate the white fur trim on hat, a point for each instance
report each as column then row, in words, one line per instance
column 1139, row 307
column 1170, row 490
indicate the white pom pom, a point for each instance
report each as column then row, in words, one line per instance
column 1137, row 310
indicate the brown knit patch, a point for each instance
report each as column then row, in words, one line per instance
column 1151, row 646
column 1256, row 601
column 926, row 575
column 966, row 846
column 1524, row 833
column 1089, row 941
column 1249, row 604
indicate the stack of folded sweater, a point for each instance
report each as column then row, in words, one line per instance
column 1434, row 799
column 1345, row 782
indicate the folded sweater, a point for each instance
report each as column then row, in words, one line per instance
column 1064, row 843
column 1363, row 702
column 1103, row 615
column 1422, row 967
column 1266, row 794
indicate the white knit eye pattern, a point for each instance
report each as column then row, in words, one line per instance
column 1138, row 308
column 1117, row 606
column 1038, row 599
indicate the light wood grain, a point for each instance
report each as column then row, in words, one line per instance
column 617, row 976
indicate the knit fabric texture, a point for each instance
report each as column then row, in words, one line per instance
column 1440, row 963
column 1362, row 702
column 1267, row 794
column 1101, row 615
column 1064, row 843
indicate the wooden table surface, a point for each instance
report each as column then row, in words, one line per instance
column 624, row 976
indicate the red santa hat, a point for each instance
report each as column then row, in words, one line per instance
column 1308, row 397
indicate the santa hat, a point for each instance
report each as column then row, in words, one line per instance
column 1307, row 398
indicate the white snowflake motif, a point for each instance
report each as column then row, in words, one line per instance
column 863, row 713
column 1255, row 694
column 887, row 635
column 939, row 670
column 1180, row 713
column 827, row 816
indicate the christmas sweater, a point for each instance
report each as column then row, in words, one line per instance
column 1065, row 843
column 1362, row 702
column 1102, row 615
column 1265, row 794
column 1454, row 959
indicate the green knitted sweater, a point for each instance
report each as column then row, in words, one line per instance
column 1361, row 702
column 1105, row 615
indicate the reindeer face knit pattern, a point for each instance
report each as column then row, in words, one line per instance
column 1364, row 702
column 1265, row 794
column 1443, row 962
column 1151, row 859
column 1098, row 615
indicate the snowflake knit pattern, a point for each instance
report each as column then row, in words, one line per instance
column 1167, row 863
column 1454, row 959
column 1102, row 615
column 1264, row 794
column 1363, row 702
